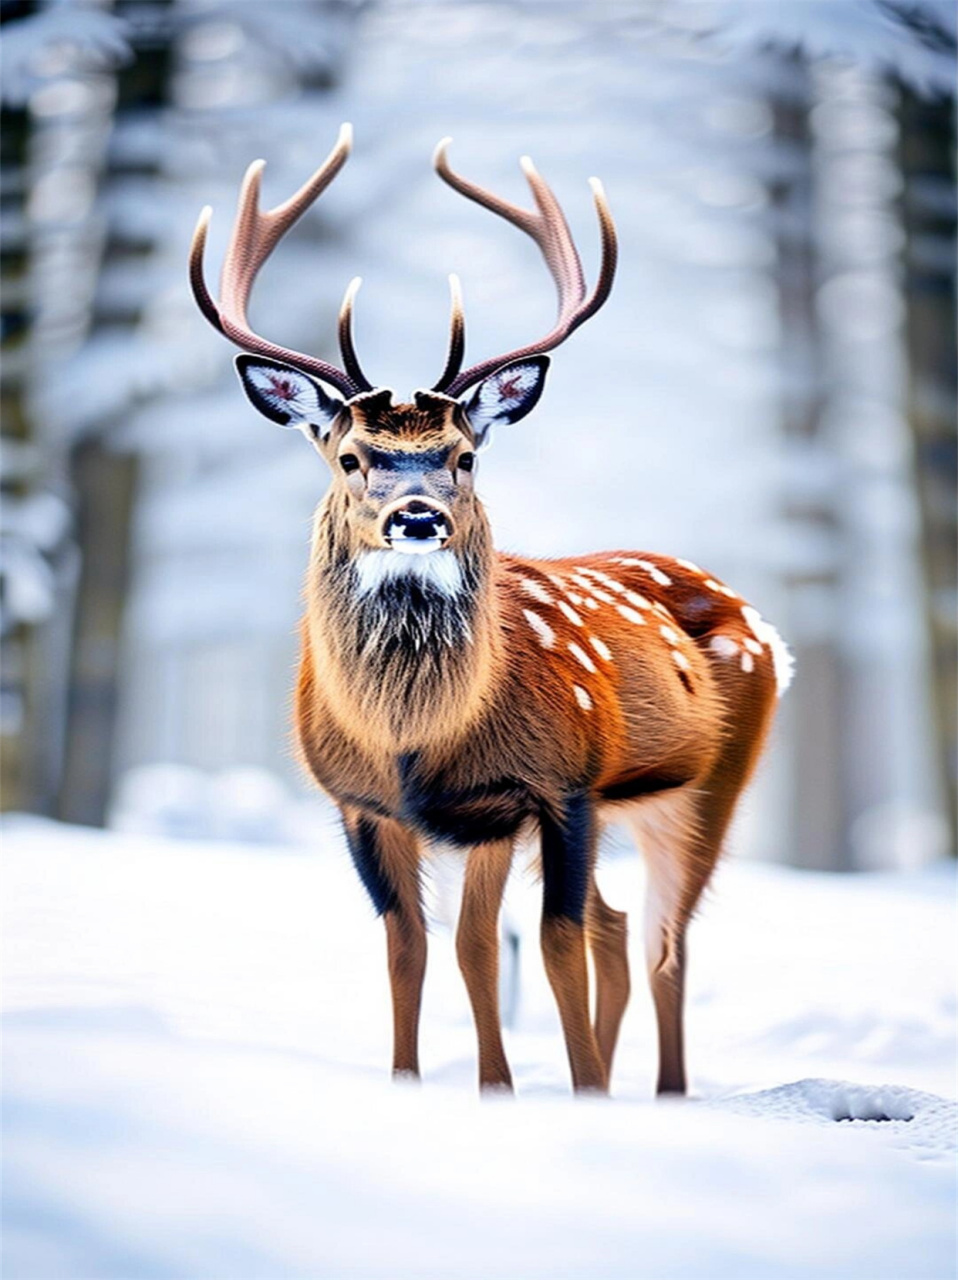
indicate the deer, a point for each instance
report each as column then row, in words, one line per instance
column 448, row 692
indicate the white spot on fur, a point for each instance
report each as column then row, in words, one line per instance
column 574, row 598
column 601, row 648
column 782, row 660
column 712, row 584
column 640, row 602
column 752, row 646
column 689, row 564
column 680, row 660
column 588, row 585
column 546, row 635
column 439, row 569
column 591, row 604
column 581, row 655
column 631, row 615
column 535, row 589
column 655, row 573
column 724, row 646
column 748, row 662
column 570, row 613
column 668, row 634
column 582, row 698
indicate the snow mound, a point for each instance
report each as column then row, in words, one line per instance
column 921, row 1123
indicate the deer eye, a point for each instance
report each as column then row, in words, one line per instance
column 349, row 462
column 466, row 461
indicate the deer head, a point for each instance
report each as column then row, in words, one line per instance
column 403, row 473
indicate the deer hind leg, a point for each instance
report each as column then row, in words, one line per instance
column 607, row 931
column 568, row 856
column 477, row 947
column 387, row 857
column 664, row 827
column 681, row 834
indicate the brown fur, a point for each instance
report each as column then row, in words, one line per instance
column 676, row 738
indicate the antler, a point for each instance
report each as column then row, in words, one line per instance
column 548, row 228
column 255, row 235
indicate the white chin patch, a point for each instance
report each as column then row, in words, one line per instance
column 415, row 546
column 426, row 561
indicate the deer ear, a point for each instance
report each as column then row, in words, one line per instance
column 284, row 395
column 506, row 395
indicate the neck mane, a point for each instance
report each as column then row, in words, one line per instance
column 403, row 645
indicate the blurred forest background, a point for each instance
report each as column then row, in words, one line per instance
column 770, row 392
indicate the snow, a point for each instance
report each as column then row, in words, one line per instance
column 196, row 1036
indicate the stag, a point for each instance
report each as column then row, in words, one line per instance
column 449, row 692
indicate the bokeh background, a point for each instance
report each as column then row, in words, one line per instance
column 770, row 391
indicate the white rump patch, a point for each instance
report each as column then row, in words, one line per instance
column 439, row 569
column 582, row 656
column 782, row 660
column 570, row 613
column 547, row 637
column 535, row 589
column 601, row 648
column 631, row 615
column 724, row 646
column 582, row 698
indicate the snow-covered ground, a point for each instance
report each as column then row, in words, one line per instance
column 195, row 1040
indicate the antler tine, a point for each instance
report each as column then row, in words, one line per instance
column 346, row 346
column 254, row 236
column 457, row 334
column 555, row 239
column 547, row 226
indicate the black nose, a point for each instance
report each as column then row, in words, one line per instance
column 417, row 521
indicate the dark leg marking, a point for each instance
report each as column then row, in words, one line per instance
column 566, row 852
column 364, row 848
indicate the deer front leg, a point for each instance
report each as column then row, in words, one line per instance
column 477, row 947
column 568, row 853
column 386, row 856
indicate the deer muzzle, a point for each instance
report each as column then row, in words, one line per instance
column 417, row 526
